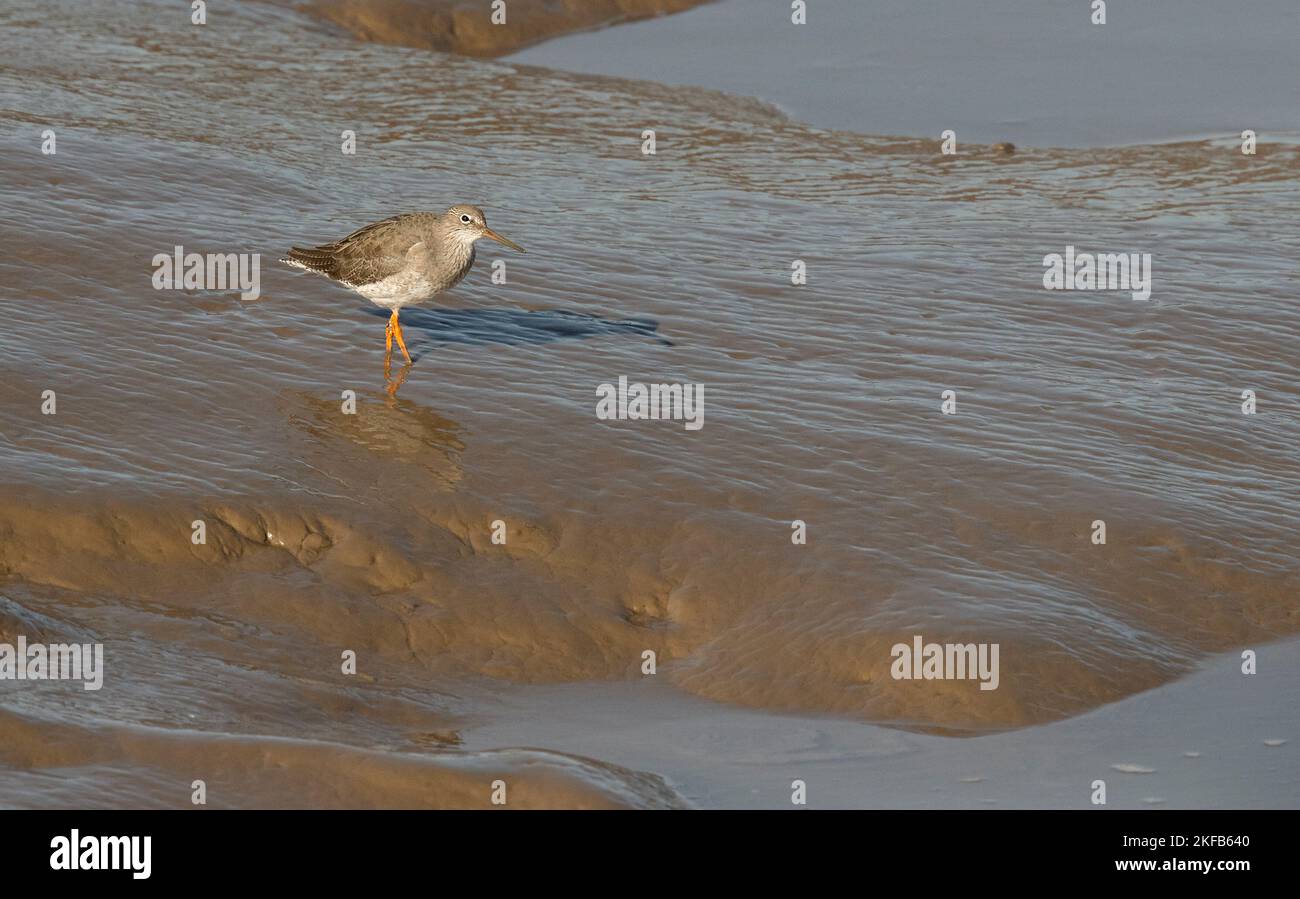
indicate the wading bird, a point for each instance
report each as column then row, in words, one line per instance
column 405, row 259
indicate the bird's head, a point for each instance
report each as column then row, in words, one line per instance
column 469, row 224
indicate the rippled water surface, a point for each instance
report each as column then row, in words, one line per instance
column 371, row 532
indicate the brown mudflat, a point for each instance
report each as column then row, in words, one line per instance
column 372, row 532
column 466, row 26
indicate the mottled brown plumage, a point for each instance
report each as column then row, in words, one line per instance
column 401, row 260
column 369, row 254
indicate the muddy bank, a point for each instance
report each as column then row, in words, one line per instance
column 432, row 600
column 466, row 27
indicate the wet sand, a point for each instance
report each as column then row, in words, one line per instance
column 468, row 26
column 372, row 532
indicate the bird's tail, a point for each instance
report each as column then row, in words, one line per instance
column 313, row 259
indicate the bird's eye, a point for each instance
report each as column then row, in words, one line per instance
column 465, row 219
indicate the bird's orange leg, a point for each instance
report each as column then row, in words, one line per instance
column 397, row 332
column 388, row 340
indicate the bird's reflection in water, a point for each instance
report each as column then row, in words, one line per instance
column 347, row 444
column 391, row 384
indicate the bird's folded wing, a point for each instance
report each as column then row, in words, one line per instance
column 367, row 255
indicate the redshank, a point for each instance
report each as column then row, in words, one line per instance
column 405, row 259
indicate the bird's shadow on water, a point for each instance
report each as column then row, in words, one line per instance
column 514, row 326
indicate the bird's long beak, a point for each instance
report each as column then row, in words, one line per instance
column 488, row 232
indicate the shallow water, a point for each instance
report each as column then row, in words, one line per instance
column 1032, row 72
column 372, row 531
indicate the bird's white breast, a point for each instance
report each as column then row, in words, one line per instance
column 427, row 273
column 398, row 290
